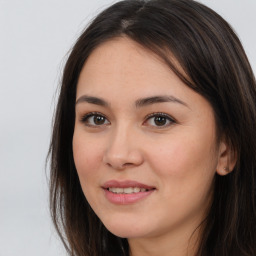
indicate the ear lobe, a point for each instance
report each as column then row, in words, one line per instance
column 227, row 159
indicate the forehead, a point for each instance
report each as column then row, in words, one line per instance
column 122, row 64
column 120, row 72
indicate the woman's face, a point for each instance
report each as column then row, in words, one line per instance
column 144, row 144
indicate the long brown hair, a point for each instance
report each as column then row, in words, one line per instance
column 216, row 67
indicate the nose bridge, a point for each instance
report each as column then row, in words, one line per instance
column 122, row 149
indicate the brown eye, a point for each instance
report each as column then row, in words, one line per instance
column 99, row 120
column 160, row 120
column 94, row 120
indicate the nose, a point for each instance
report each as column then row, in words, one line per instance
column 122, row 150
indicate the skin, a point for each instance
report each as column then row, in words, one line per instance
column 179, row 159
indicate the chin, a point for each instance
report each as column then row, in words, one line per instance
column 126, row 229
column 126, row 233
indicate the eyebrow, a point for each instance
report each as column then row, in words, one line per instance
column 92, row 100
column 158, row 99
column 138, row 103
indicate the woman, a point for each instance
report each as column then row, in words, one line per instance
column 153, row 146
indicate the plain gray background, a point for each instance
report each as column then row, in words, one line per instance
column 35, row 38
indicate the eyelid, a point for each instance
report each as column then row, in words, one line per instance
column 167, row 116
column 86, row 116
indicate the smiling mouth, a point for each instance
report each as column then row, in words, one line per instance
column 126, row 192
column 129, row 190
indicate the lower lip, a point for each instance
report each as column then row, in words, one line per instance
column 126, row 198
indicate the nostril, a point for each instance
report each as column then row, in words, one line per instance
column 119, row 166
column 120, row 159
column 127, row 164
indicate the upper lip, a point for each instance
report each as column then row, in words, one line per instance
column 125, row 184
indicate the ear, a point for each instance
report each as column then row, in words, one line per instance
column 227, row 158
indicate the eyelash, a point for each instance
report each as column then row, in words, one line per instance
column 85, row 118
column 166, row 117
column 161, row 115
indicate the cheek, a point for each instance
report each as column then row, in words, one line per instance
column 87, row 156
column 185, row 158
column 186, row 171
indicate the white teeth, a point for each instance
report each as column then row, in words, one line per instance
column 136, row 190
column 126, row 190
column 119, row 190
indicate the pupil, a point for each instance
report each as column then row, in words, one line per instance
column 99, row 120
column 160, row 120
